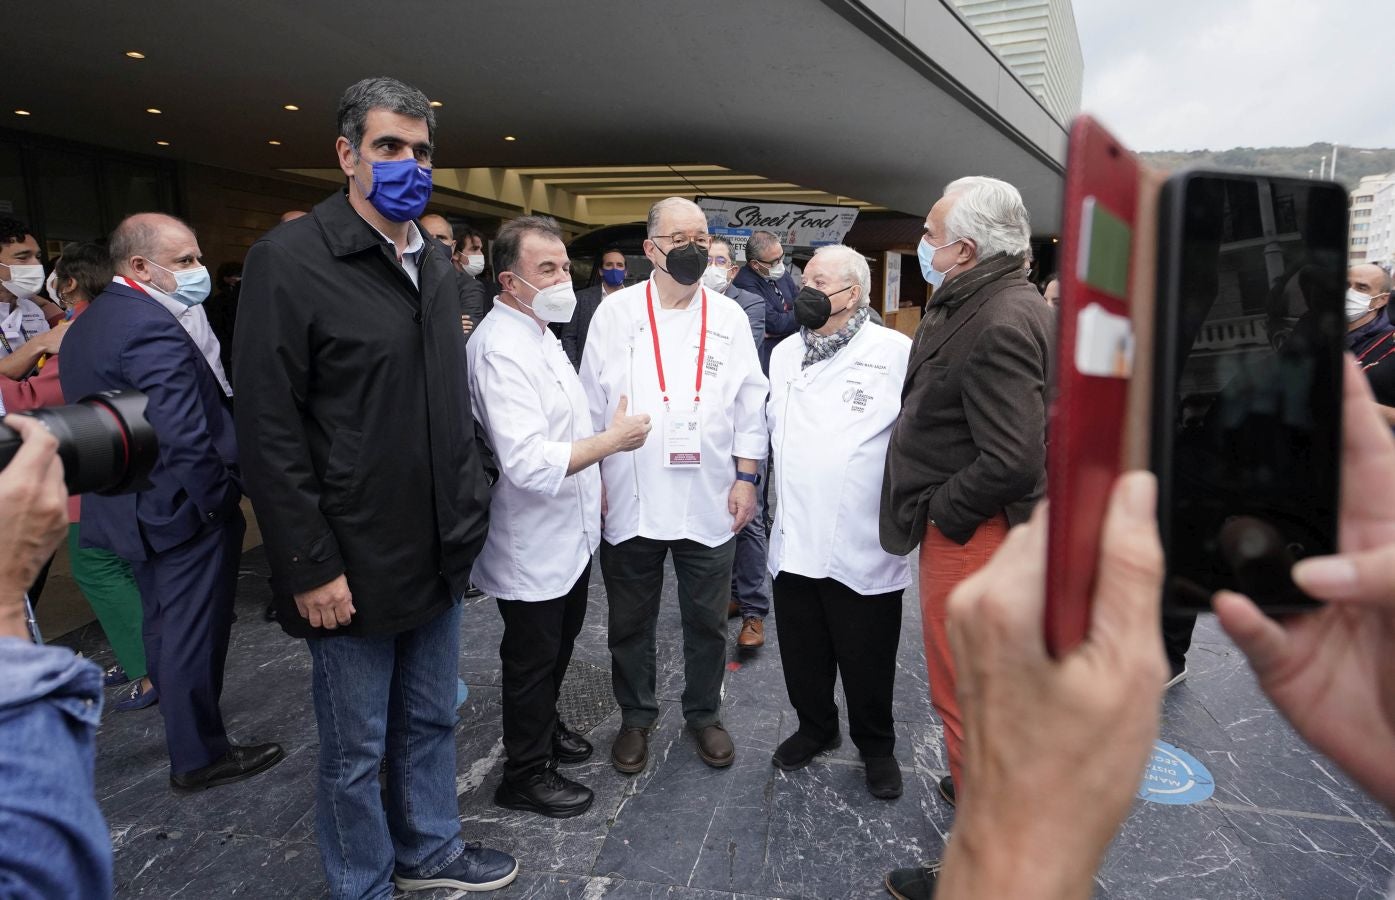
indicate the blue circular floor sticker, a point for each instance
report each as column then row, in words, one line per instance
column 1174, row 777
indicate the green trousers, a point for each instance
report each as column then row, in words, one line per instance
column 106, row 581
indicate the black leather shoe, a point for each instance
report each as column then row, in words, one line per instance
column 630, row 752
column 568, row 746
column 917, row 883
column 798, row 750
column 238, row 763
column 947, row 789
column 472, row 592
column 547, row 793
column 883, row 777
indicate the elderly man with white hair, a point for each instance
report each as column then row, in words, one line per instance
column 684, row 355
column 968, row 456
column 835, row 395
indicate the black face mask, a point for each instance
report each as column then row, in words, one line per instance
column 813, row 309
column 687, row 264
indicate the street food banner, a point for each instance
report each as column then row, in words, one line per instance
column 795, row 224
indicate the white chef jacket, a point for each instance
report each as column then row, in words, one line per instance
column 19, row 322
column 830, row 425
column 643, row 497
column 195, row 321
column 543, row 523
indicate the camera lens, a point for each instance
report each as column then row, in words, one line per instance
column 104, row 440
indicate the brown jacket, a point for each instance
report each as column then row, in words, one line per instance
column 971, row 440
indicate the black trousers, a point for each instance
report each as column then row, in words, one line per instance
column 536, row 649
column 186, row 596
column 827, row 629
column 1177, row 637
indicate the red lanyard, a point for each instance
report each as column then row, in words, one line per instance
column 1390, row 339
column 658, row 354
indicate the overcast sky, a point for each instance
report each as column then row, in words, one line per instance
column 1216, row 74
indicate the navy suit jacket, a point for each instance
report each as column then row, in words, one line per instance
column 127, row 340
column 779, row 312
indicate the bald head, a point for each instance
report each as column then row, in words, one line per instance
column 291, row 215
column 437, row 227
column 674, row 214
column 1368, row 278
column 151, row 247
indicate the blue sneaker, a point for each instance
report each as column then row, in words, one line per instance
column 476, row 869
column 137, row 699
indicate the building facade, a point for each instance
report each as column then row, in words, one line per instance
column 1038, row 40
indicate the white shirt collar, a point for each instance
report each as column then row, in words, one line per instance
column 521, row 319
column 415, row 242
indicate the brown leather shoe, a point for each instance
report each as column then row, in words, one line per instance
column 630, row 752
column 752, row 633
column 715, row 746
column 733, row 609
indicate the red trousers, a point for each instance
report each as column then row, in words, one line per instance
column 943, row 564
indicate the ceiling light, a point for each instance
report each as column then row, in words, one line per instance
column 162, row 143
column 437, row 103
column 509, row 137
column 291, row 107
column 22, row 112
column 135, row 54
column 274, row 143
column 152, row 110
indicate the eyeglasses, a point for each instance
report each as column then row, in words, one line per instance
column 718, row 261
column 679, row 240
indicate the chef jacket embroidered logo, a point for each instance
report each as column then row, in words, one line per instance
column 856, row 398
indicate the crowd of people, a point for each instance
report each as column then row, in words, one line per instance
column 408, row 434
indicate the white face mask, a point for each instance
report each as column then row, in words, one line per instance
column 715, row 278
column 777, row 270
column 474, row 263
column 552, row 304
column 1358, row 304
column 24, row 281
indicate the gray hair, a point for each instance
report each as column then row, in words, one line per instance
column 139, row 235
column 851, row 266
column 381, row 93
column 656, row 212
column 510, row 238
column 990, row 213
column 759, row 243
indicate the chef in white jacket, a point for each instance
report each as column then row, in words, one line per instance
column 545, row 509
column 835, row 392
column 684, row 355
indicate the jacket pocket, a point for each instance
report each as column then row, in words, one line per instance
column 340, row 485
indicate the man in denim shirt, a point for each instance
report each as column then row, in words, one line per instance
column 55, row 842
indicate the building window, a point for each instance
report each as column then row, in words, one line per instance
column 1365, row 226
column 1361, row 214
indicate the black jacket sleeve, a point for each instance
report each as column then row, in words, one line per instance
column 272, row 359
column 471, row 299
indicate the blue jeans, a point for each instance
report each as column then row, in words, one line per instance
column 748, row 569
column 55, row 842
column 393, row 693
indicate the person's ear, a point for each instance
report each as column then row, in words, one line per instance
column 345, row 151
column 1379, row 301
column 968, row 251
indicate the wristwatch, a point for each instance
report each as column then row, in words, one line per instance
column 748, row 477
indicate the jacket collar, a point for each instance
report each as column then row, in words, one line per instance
column 122, row 289
column 929, row 340
column 347, row 232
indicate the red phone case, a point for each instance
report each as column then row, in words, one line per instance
column 1086, row 429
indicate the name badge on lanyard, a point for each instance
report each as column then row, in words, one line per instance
column 682, row 431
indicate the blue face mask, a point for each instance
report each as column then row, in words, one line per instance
column 926, row 254
column 191, row 285
column 400, row 189
column 613, row 277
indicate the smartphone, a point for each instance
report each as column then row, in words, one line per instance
column 1093, row 367
column 1247, row 391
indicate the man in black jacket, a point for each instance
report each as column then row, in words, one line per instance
column 573, row 333
column 371, row 493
